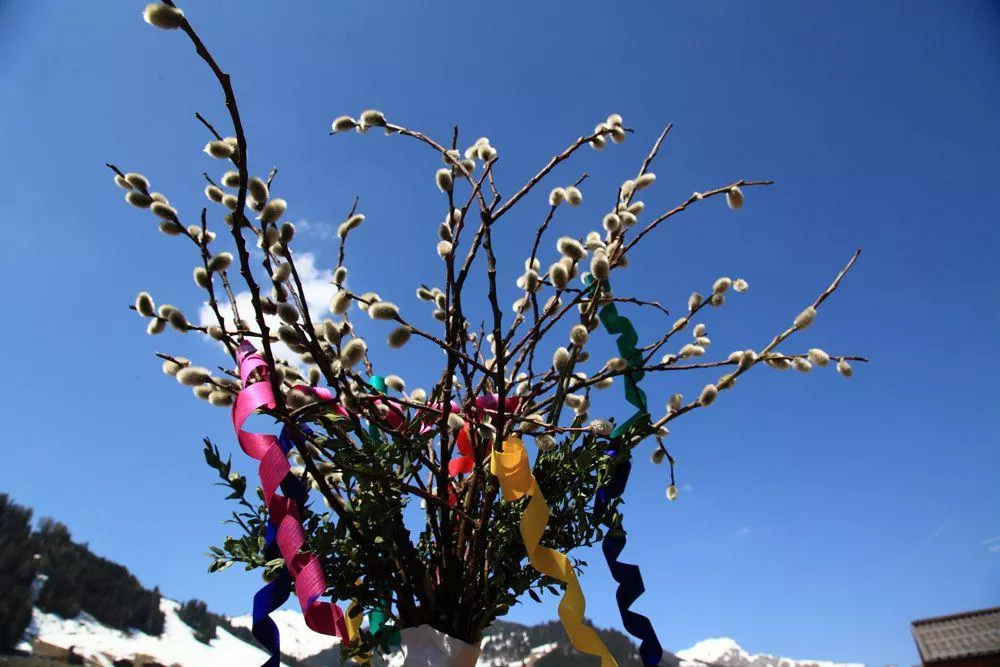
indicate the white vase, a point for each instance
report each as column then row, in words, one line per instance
column 423, row 646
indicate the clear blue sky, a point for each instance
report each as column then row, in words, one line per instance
column 823, row 514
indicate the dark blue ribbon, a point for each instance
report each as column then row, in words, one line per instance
column 628, row 576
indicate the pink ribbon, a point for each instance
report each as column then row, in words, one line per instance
column 324, row 617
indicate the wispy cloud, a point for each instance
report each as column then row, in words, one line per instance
column 745, row 531
column 318, row 288
column 995, row 548
column 930, row 538
column 323, row 231
column 992, row 539
column 687, row 488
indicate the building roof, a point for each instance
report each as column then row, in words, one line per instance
column 971, row 633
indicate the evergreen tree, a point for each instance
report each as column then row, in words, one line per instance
column 17, row 571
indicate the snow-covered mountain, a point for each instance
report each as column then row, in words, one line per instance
column 505, row 645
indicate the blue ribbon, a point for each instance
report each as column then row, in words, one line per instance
column 628, row 576
column 275, row 593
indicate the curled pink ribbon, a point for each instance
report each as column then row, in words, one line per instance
column 324, row 617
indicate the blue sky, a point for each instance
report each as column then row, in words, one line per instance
column 822, row 514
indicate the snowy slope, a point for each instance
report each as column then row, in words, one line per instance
column 176, row 645
column 297, row 640
column 725, row 652
column 509, row 646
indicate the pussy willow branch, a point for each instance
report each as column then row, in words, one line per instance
column 777, row 340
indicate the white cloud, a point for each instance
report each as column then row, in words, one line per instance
column 315, row 282
column 687, row 488
column 323, row 231
column 995, row 548
column 992, row 539
column 745, row 531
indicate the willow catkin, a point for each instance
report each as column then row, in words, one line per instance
column 343, row 124
column 672, row 493
column 658, row 455
column 645, row 180
column 383, row 310
column 163, row 16
column 805, row 318
column 545, row 442
column 570, row 247
column 844, row 368
column 171, row 228
column 163, row 210
column 214, row 193
column 220, row 262
column 444, row 249
column 721, row 285
column 281, row 272
column 158, row 326
column 201, row 277
column 399, row 336
column 288, row 313
column 573, row 196
column 144, row 304
column 257, row 189
column 372, row 118
column 734, row 198
column 559, row 275
column 444, row 180
column 177, row 320
column 708, row 394
column 699, row 330
column 560, row 359
column 353, row 352
column 122, row 182
column 272, row 211
column 801, row 364
column 231, row 179
column 138, row 199
column 192, row 375
column 601, row 427
column 172, row 366
column 202, row 391
column 557, row 196
column 740, row 285
column 600, row 267
column 819, row 357
column 694, row 301
column 221, row 399
column 221, row 150
column 579, row 335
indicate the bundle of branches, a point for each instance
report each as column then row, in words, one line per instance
column 366, row 443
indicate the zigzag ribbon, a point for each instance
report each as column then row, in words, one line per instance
column 513, row 472
column 628, row 576
column 284, row 520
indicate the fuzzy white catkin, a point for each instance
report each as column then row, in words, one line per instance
column 628, row 219
column 444, row 180
column 156, row 326
column 201, row 277
column 579, row 335
column 616, row 364
column 214, row 193
column 444, row 249
column 545, row 442
column 560, row 359
column 658, row 455
column 343, row 124
column 177, row 320
column 819, row 357
column 600, row 266
column 231, row 179
column 144, row 304
column 399, row 336
column 455, row 422
column 611, row 223
column 801, row 364
column 282, row 272
column 221, row 399
column 272, row 211
column 202, row 391
column 674, row 402
column 844, row 368
column 373, row 117
column 645, row 181
column 139, row 199
column 690, row 350
column 395, row 383
column 741, row 285
column 353, row 352
column 694, row 300
column 636, row 207
column 220, row 150
column 163, row 16
column 122, row 182
column 165, row 211
column 192, row 375
column 383, row 310
column 805, row 318
column 703, row 341
column 717, row 299
column 559, row 275
column 557, row 196
column 230, row 201
column 571, row 248
column 340, row 302
column 531, row 280
column 721, row 285
column 734, row 198
column 288, row 313
column 220, row 262
column 172, row 366
column 672, row 493
column 699, row 330
column 287, row 232
column 778, row 363
column 573, row 196
column 736, row 356
column 601, row 427
column 257, row 189
column 708, row 394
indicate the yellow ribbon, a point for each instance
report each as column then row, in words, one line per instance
column 511, row 469
column 353, row 624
